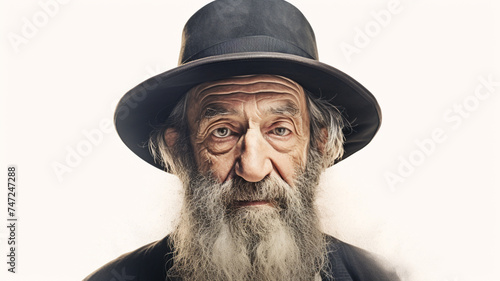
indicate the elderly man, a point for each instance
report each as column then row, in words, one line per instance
column 248, row 121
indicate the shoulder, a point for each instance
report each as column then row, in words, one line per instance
column 147, row 263
column 348, row 262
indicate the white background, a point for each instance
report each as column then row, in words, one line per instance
column 65, row 77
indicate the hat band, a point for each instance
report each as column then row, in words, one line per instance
column 259, row 43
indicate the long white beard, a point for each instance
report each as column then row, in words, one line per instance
column 216, row 240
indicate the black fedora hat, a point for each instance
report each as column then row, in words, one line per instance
column 241, row 37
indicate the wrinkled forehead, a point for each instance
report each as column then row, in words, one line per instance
column 269, row 87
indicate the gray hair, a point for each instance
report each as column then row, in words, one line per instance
column 322, row 115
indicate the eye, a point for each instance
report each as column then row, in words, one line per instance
column 222, row 132
column 281, row 131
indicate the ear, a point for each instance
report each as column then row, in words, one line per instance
column 171, row 136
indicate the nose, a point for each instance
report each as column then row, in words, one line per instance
column 254, row 163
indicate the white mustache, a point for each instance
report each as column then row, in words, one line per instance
column 269, row 189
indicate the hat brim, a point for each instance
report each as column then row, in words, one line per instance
column 149, row 104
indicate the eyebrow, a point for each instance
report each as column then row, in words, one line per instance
column 215, row 110
column 289, row 109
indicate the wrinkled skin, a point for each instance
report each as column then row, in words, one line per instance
column 253, row 127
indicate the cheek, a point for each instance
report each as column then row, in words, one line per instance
column 292, row 156
column 289, row 162
column 218, row 165
column 286, row 167
column 289, row 165
column 302, row 151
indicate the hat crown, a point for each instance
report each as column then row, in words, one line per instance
column 236, row 26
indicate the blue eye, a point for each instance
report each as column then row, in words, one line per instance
column 280, row 131
column 222, row 132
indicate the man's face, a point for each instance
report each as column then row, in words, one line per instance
column 248, row 212
column 251, row 127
